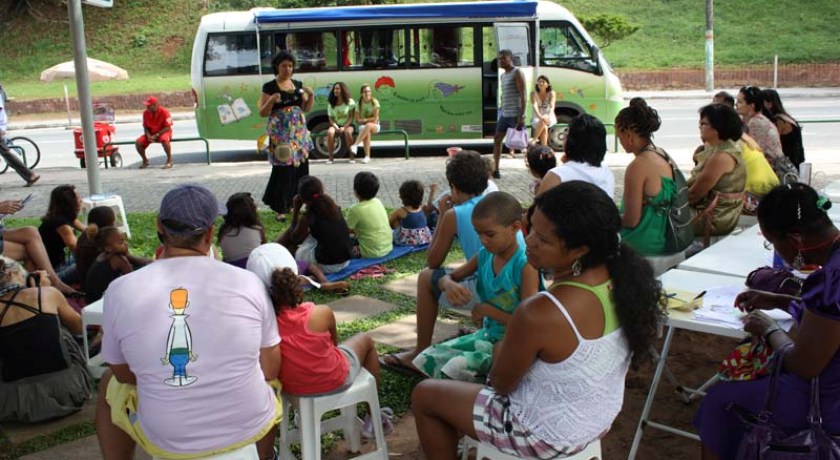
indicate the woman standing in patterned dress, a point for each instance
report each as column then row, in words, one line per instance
column 284, row 101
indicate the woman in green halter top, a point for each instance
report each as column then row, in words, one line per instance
column 648, row 181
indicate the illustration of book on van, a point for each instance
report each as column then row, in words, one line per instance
column 233, row 110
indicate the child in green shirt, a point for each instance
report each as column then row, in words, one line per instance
column 368, row 218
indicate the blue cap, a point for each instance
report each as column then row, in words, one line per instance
column 189, row 208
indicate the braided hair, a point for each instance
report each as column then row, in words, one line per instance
column 639, row 118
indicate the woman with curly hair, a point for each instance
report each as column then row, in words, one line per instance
column 648, row 181
column 341, row 111
column 566, row 350
column 284, row 101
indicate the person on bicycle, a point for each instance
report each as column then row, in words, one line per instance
column 11, row 157
column 157, row 127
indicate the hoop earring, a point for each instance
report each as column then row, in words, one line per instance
column 577, row 267
column 798, row 261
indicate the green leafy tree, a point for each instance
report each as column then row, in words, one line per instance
column 609, row 28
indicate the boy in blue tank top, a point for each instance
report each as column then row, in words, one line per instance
column 504, row 278
column 466, row 173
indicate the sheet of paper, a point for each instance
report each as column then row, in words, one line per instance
column 719, row 308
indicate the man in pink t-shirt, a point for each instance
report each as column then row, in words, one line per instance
column 191, row 343
column 157, row 127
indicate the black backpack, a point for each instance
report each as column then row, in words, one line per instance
column 679, row 233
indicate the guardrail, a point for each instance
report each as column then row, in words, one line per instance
column 401, row 132
column 182, row 139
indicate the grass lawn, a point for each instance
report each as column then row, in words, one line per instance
column 396, row 389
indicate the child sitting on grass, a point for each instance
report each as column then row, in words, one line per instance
column 313, row 360
column 409, row 221
column 368, row 219
column 112, row 262
column 320, row 235
column 241, row 232
column 504, row 278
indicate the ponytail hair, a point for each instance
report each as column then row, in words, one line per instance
column 311, row 191
column 583, row 215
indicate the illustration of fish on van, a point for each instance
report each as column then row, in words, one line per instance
column 179, row 346
column 232, row 110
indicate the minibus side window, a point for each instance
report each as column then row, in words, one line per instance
column 443, row 46
column 231, row 54
column 561, row 45
column 374, row 48
column 315, row 51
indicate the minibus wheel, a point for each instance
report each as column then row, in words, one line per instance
column 320, row 142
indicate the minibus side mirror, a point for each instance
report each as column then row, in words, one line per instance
column 596, row 58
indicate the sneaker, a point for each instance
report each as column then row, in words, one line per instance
column 353, row 149
column 352, row 162
column 366, row 160
column 496, row 174
column 329, row 162
column 387, row 427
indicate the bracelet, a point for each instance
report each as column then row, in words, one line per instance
column 770, row 332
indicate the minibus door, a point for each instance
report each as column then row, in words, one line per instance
column 514, row 36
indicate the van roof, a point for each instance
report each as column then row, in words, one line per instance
column 492, row 9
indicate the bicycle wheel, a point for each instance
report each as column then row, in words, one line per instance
column 28, row 151
column 3, row 165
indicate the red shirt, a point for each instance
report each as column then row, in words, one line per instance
column 156, row 121
column 311, row 363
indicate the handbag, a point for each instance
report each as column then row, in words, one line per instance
column 775, row 280
column 516, row 139
column 786, row 170
column 679, row 233
column 765, row 441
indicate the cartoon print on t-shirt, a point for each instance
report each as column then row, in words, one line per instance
column 179, row 342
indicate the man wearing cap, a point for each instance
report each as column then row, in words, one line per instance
column 191, row 343
column 157, row 127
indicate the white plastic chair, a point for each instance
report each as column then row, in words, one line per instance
column 488, row 452
column 248, row 452
column 114, row 202
column 312, row 408
column 665, row 262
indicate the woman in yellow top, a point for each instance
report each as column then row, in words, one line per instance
column 367, row 117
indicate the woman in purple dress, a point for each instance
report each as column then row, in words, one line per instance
column 793, row 218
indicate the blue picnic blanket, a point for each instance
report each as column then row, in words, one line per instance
column 358, row 264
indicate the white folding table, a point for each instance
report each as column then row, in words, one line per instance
column 686, row 281
column 735, row 255
column 92, row 316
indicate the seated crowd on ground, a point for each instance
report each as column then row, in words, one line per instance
column 542, row 376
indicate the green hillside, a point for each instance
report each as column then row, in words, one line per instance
column 152, row 39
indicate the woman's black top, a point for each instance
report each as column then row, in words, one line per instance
column 792, row 145
column 287, row 99
column 52, row 240
column 32, row 346
column 333, row 236
column 99, row 277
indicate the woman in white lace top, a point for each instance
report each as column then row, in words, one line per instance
column 557, row 381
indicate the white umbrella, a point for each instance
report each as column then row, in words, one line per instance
column 97, row 71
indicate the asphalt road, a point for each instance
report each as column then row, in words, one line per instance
column 678, row 135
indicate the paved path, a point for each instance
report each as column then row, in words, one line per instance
column 142, row 190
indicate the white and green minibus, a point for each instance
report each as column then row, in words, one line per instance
column 431, row 66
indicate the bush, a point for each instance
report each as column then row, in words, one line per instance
column 609, row 28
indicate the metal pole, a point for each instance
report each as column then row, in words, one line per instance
column 776, row 71
column 77, row 34
column 710, row 46
column 67, row 103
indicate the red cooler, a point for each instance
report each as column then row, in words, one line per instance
column 105, row 133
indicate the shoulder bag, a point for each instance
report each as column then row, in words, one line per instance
column 516, row 139
column 765, row 441
column 679, row 233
